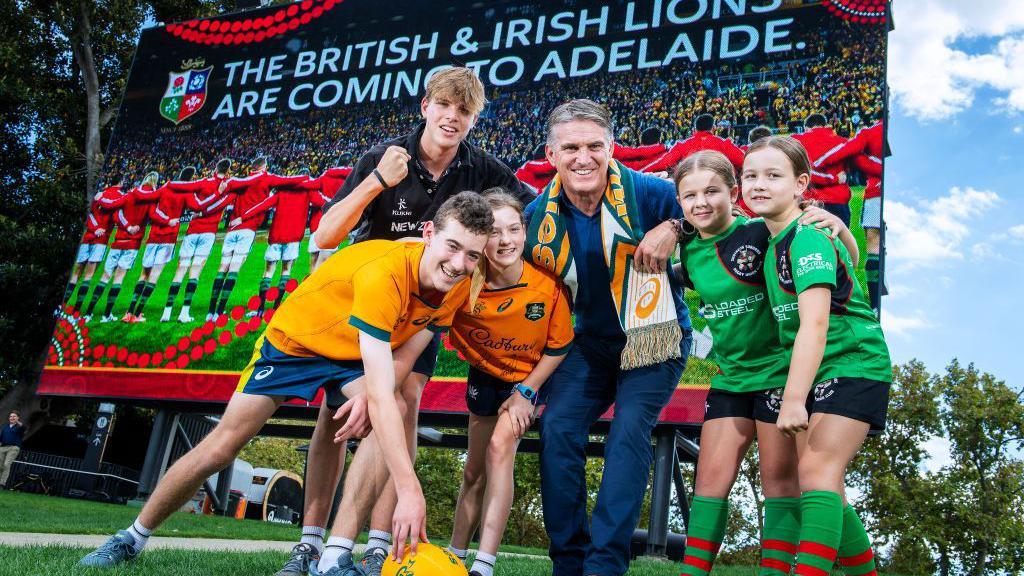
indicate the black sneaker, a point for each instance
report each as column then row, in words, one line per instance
column 298, row 564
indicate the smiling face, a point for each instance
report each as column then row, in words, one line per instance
column 505, row 246
column 12, row 418
column 451, row 254
column 580, row 150
column 448, row 121
column 770, row 186
column 707, row 201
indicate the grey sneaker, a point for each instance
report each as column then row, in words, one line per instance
column 298, row 564
column 344, row 567
column 120, row 548
column 372, row 561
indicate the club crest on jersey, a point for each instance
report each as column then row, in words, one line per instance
column 785, row 275
column 745, row 260
column 185, row 93
column 534, row 311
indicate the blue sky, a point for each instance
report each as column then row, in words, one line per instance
column 954, row 205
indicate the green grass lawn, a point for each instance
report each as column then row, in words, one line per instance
column 35, row 513
column 53, row 560
column 50, row 514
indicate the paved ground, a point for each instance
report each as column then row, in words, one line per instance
column 91, row 541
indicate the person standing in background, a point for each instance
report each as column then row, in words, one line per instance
column 11, row 437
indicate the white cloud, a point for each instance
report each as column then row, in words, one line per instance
column 902, row 326
column 1018, row 129
column 1016, row 231
column 932, row 79
column 982, row 250
column 932, row 233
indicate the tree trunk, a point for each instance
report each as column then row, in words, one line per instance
column 81, row 47
column 943, row 561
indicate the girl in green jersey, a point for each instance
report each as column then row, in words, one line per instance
column 837, row 387
column 724, row 263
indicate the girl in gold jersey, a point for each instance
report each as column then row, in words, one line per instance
column 514, row 332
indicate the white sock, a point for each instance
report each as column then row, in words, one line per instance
column 140, row 533
column 379, row 539
column 336, row 546
column 484, row 564
column 314, row 536
column 460, row 554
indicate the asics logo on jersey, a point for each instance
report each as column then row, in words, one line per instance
column 263, row 373
column 504, row 305
column 648, row 300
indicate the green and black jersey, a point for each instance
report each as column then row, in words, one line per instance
column 803, row 256
column 727, row 271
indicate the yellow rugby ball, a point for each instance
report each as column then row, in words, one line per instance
column 430, row 560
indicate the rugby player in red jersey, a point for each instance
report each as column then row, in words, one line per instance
column 702, row 139
column 243, row 194
column 865, row 151
column 291, row 212
column 94, row 242
column 199, row 236
column 131, row 220
column 827, row 176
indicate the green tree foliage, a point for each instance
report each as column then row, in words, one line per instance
column 966, row 517
column 63, row 66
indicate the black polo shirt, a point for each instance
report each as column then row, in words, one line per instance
column 403, row 209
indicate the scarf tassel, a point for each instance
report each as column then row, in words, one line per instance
column 647, row 345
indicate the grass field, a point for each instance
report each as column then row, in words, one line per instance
column 154, row 336
column 49, row 514
column 61, row 560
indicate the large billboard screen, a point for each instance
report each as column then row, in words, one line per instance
column 314, row 84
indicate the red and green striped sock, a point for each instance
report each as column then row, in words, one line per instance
column 821, row 525
column 780, row 535
column 855, row 555
column 704, row 535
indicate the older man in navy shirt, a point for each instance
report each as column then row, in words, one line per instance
column 579, row 145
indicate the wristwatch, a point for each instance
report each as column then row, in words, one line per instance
column 527, row 392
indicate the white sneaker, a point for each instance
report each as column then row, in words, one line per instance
column 166, row 316
column 140, row 318
column 87, row 318
column 209, row 316
column 107, row 318
column 184, row 318
column 250, row 314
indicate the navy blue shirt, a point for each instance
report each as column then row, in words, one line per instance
column 595, row 310
column 12, row 435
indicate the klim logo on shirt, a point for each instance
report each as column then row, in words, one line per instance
column 186, row 91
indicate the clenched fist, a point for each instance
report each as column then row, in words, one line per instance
column 394, row 165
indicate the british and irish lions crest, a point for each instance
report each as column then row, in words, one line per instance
column 186, row 91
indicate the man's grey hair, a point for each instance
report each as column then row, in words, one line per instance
column 579, row 109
